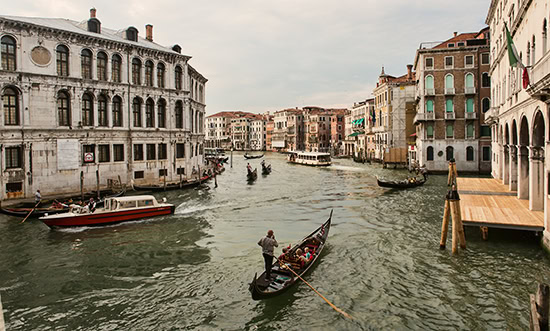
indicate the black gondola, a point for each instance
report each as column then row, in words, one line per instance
column 252, row 175
column 172, row 185
column 401, row 184
column 281, row 278
column 266, row 170
column 246, row 156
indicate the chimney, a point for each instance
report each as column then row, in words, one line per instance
column 92, row 12
column 455, row 33
column 149, row 32
column 409, row 71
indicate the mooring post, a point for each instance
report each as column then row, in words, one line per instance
column 445, row 225
column 97, row 183
column 181, row 176
column 542, row 302
column 2, row 324
column 231, row 157
column 82, row 186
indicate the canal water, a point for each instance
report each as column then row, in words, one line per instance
column 191, row 270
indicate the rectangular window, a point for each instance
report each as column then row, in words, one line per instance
column 88, row 153
column 163, row 172
column 138, row 152
column 487, row 153
column 118, row 152
column 104, row 153
column 14, row 187
column 151, row 152
column 485, row 58
column 449, row 62
column 180, row 151
column 429, row 63
column 485, row 131
column 451, row 45
column 469, row 61
column 181, row 171
column 162, row 152
column 139, row 174
column 14, row 156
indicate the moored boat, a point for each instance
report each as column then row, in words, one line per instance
column 400, row 184
column 281, row 278
column 248, row 156
column 173, row 185
column 115, row 210
column 309, row 158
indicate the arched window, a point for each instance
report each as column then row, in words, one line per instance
column 544, row 36
column 449, row 105
column 429, row 106
column 149, row 73
column 87, row 110
column 102, row 111
column 485, row 104
column 101, row 66
column 161, row 113
column 430, row 153
column 528, row 53
column 469, row 153
column 178, row 77
column 429, row 82
column 136, row 109
column 469, row 130
column 150, row 113
column 8, row 53
column 450, row 131
column 179, row 115
column 429, row 131
column 136, row 71
column 62, row 60
column 63, row 109
column 450, row 151
column 485, row 80
column 86, row 63
column 11, row 106
column 160, row 75
column 117, row 111
column 449, row 81
column 116, row 66
column 469, row 80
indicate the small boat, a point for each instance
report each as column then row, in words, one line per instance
column 281, row 278
column 247, row 156
column 309, row 158
column 172, row 185
column 266, row 170
column 401, row 184
column 115, row 210
column 252, row 175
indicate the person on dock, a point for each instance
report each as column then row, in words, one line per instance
column 37, row 197
column 268, row 243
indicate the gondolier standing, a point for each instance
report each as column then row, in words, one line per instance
column 37, row 197
column 268, row 243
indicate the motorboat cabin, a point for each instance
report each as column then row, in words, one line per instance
column 309, row 158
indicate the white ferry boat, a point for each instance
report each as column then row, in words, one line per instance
column 309, row 158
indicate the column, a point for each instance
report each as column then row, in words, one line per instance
column 536, row 178
column 523, row 172
column 505, row 166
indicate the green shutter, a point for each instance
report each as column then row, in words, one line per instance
column 470, row 105
column 450, row 131
column 430, row 131
column 470, row 130
column 469, row 80
column 449, row 106
column 430, row 106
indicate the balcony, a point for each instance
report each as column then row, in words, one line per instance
column 424, row 117
column 450, row 91
column 540, row 78
column 450, row 115
column 470, row 116
column 429, row 92
column 469, row 90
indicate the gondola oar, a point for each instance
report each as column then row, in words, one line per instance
column 29, row 214
column 319, row 294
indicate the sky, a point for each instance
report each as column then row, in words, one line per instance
column 266, row 55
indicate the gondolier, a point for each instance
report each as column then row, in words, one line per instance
column 268, row 243
column 37, row 197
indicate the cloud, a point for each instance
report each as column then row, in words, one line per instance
column 268, row 55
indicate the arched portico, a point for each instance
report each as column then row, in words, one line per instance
column 523, row 160
column 513, row 150
column 505, row 165
column 536, row 163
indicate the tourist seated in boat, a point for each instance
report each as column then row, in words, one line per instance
column 283, row 255
column 91, row 205
column 307, row 254
column 301, row 258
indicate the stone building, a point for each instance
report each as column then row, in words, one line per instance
column 393, row 111
column 258, row 132
column 81, row 101
column 288, row 130
column 269, row 133
column 519, row 113
column 218, row 130
column 317, row 129
column 338, row 130
column 453, row 96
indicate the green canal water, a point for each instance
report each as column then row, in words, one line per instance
column 191, row 270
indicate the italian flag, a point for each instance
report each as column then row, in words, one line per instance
column 514, row 57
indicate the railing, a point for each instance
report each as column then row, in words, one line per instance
column 470, row 116
column 430, row 91
column 450, row 91
column 541, row 70
column 470, row 90
column 424, row 117
column 450, row 115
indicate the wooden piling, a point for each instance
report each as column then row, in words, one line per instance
column 450, row 176
column 200, row 177
column 445, row 225
column 455, row 233
column 82, row 185
column 231, row 157
column 2, row 324
column 539, row 305
column 215, row 180
column 181, row 177
column 97, row 183
column 455, row 211
column 484, row 232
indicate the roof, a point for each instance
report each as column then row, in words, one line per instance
column 458, row 38
column 64, row 24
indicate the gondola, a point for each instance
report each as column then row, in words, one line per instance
column 172, row 185
column 252, row 175
column 23, row 211
column 266, row 170
column 281, row 278
column 246, row 156
column 400, row 184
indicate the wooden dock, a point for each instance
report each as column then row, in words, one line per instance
column 485, row 202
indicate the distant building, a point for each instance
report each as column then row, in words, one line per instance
column 317, row 129
column 218, row 130
column 338, row 130
column 269, row 133
column 82, row 101
column 453, row 96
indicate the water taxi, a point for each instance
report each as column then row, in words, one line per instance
column 309, row 158
column 115, row 210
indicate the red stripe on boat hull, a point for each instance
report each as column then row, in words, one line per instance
column 108, row 218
